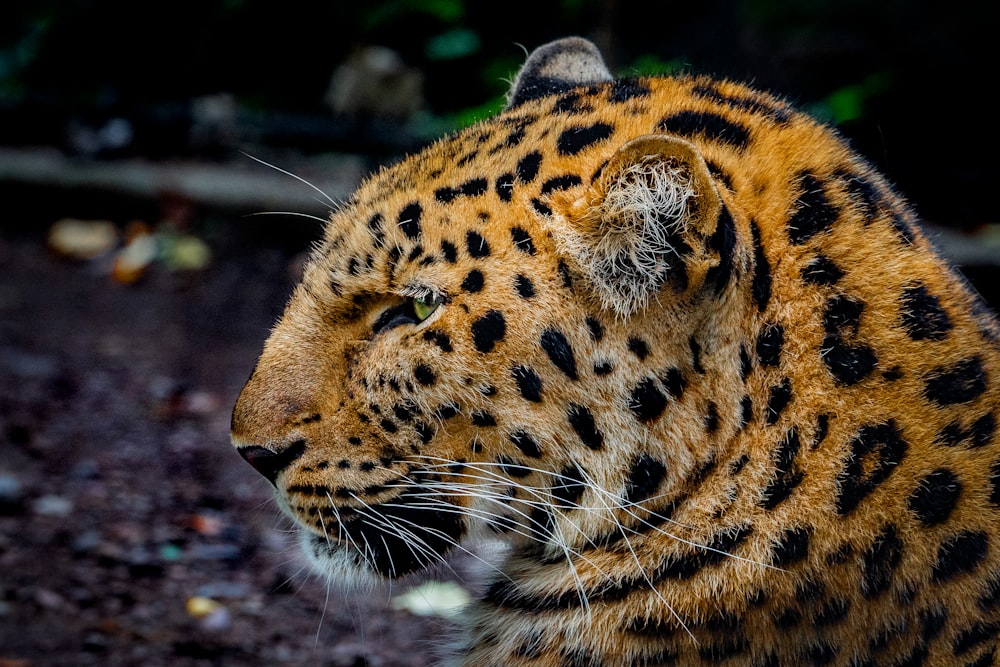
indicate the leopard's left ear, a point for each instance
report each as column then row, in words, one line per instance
column 652, row 206
column 556, row 67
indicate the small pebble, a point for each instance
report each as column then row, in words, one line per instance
column 52, row 505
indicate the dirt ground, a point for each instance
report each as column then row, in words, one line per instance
column 130, row 531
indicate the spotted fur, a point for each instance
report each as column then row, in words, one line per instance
column 680, row 347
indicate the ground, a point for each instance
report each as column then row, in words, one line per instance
column 124, row 513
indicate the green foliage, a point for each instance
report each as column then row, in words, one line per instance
column 849, row 103
column 453, row 44
column 652, row 65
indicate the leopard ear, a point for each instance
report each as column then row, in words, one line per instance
column 652, row 204
column 557, row 67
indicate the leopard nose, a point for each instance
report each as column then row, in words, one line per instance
column 270, row 463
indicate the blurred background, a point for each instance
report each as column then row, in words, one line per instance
column 137, row 282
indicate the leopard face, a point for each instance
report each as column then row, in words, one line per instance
column 681, row 348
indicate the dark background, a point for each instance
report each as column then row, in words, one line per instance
column 121, row 502
column 909, row 82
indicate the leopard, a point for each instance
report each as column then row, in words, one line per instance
column 678, row 346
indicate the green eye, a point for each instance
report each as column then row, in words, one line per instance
column 424, row 306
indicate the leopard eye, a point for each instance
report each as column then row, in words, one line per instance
column 424, row 306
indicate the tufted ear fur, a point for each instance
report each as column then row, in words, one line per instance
column 557, row 67
column 642, row 217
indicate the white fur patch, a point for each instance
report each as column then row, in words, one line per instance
column 647, row 204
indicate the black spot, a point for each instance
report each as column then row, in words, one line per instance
column 791, row 547
column 476, row 245
column 821, row 271
column 832, row 611
column 777, row 401
column 638, row 347
column 449, row 251
column 821, row 653
column 995, row 484
column 512, row 467
column 566, row 275
column 712, row 418
column 720, row 174
column 482, row 418
column 583, row 424
column 525, row 288
column 760, row 288
column 746, row 411
column 439, row 338
column 813, row 211
column 880, row 561
column 505, row 186
column 564, row 182
column 424, row 375
column 723, row 649
column 568, row 486
column 446, row 411
column 409, row 220
column 404, row 412
column 718, row 548
column 709, row 125
column 471, row 188
column 991, row 596
column 769, row 345
column 979, row 632
column 541, row 208
column 982, row 430
column 388, row 426
column 695, row 355
column 875, row 452
column 575, row 139
column 848, row 363
column 746, row 364
column 488, row 330
column 528, row 383
column 623, row 90
column 522, row 240
column 424, row 431
column 932, row 622
column 959, row 554
column 377, row 232
column 935, row 496
column 416, row 252
column 922, row 315
column 810, row 590
column 523, row 441
column 647, row 402
column 842, row 315
column 603, row 368
column 722, row 241
column 527, row 167
column 822, row 428
column 786, row 476
column 644, row 477
column 560, row 353
column 959, row 383
column 674, row 382
column 596, row 330
column 473, row 281
column 759, row 106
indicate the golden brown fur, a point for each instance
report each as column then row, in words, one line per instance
column 686, row 352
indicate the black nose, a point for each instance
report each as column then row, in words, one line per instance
column 268, row 462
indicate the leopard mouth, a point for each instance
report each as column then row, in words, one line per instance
column 395, row 537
